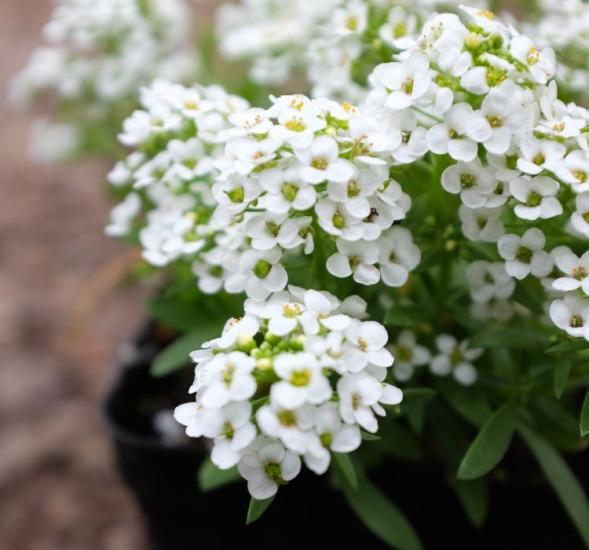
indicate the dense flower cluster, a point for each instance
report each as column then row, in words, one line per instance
column 572, row 46
column 332, row 42
column 176, row 135
column 480, row 94
column 99, row 52
column 299, row 375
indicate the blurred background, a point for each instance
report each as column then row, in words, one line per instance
column 58, row 485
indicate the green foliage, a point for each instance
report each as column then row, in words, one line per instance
column 211, row 478
column 379, row 515
column 176, row 355
column 561, row 478
column 490, row 444
column 256, row 509
column 474, row 497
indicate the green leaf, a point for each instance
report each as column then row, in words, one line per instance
column 181, row 315
column 257, row 508
column 381, row 516
column 560, row 377
column 176, row 355
column 528, row 296
column 344, row 464
column 585, row 417
column 471, row 403
column 366, row 436
column 404, row 316
column 210, row 477
column 473, row 496
column 569, row 345
column 561, row 478
column 508, row 338
column 490, row 444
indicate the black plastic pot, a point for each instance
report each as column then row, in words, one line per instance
column 308, row 514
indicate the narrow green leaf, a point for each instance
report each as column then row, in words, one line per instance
column 210, row 477
column 508, row 338
column 473, row 496
column 569, row 345
column 561, row 478
column 585, row 417
column 181, row 315
column 176, row 355
column 366, row 436
column 257, row 508
column 560, row 377
column 381, row 516
column 490, row 444
column 345, row 466
column 470, row 403
column 528, row 296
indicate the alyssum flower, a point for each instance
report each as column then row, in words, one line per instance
column 309, row 410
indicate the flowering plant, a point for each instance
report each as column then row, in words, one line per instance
column 406, row 245
column 97, row 54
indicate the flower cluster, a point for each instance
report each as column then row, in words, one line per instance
column 299, row 375
column 479, row 95
column 450, row 358
column 176, row 136
column 99, row 53
column 307, row 173
column 333, row 43
column 572, row 46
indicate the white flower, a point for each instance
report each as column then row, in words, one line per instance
column 481, row 224
column 361, row 396
column 408, row 355
column 259, row 274
column 226, row 377
column 489, row 281
column 576, row 268
column 455, row 358
column 266, row 465
column 525, row 255
column 574, row 169
column 235, row 193
column 541, row 63
column 320, row 312
column 297, row 127
column 321, row 162
column 460, row 132
column 332, row 434
column 370, row 338
column 302, row 381
column 503, row 109
column 473, row 181
column 335, row 219
column 571, row 314
column 268, row 231
column 232, row 431
column 354, row 258
column 397, row 256
column 537, row 156
column 405, row 82
column 580, row 218
column 537, row 196
column 234, row 331
column 289, row 425
column 285, row 190
column 123, row 215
